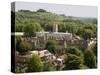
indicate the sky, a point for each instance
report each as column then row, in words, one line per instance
column 68, row 10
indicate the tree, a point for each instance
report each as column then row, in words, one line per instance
column 24, row 10
column 62, row 27
column 80, row 31
column 31, row 29
column 82, row 66
column 48, row 26
column 51, row 45
column 74, row 58
column 19, row 28
column 89, row 59
column 87, row 31
column 92, row 27
column 74, row 50
column 35, row 64
column 48, row 66
column 24, row 47
column 72, row 62
column 41, row 10
column 87, row 34
column 94, row 49
column 72, row 28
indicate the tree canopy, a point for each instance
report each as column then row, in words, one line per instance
column 72, row 62
column 35, row 64
column 31, row 29
column 90, row 59
column 24, row 47
column 74, row 58
column 87, row 31
column 48, row 66
column 52, row 45
column 41, row 10
column 74, row 50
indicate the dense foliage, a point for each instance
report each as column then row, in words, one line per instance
column 74, row 58
column 90, row 59
column 24, row 47
column 73, row 62
column 84, row 27
column 74, row 50
column 51, row 45
column 48, row 66
column 31, row 29
column 35, row 64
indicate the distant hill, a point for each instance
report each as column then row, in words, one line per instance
column 38, row 16
column 26, row 15
column 47, row 19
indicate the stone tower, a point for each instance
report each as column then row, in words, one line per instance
column 55, row 28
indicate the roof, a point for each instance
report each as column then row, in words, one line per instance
column 41, row 53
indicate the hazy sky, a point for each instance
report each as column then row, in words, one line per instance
column 68, row 10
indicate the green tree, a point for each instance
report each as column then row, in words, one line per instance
column 48, row 27
column 24, row 10
column 72, row 62
column 24, row 47
column 74, row 50
column 74, row 58
column 72, row 28
column 51, row 45
column 48, row 66
column 87, row 34
column 82, row 66
column 87, row 31
column 35, row 64
column 31, row 29
column 80, row 31
column 62, row 27
column 90, row 59
column 94, row 49
column 41, row 10
column 19, row 28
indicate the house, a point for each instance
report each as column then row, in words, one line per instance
column 44, row 55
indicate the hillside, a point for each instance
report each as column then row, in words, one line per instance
column 47, row 19
column 38, row 16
